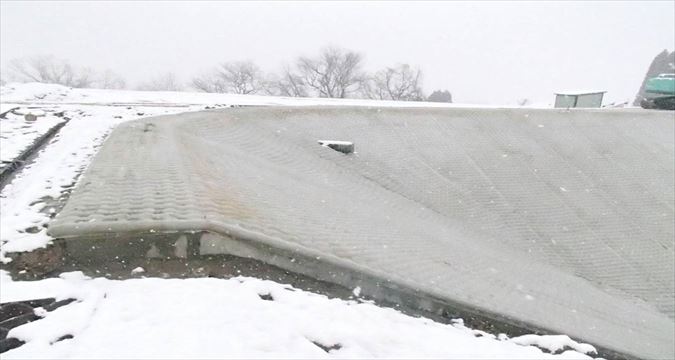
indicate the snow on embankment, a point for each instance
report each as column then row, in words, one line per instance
column 37, row 93
column 240, row 318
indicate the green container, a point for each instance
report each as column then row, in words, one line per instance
column 662, row 84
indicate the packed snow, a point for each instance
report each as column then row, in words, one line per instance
column 237, row 318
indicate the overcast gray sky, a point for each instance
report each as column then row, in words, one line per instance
column 483, row 52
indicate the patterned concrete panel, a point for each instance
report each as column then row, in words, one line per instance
column 562, row 220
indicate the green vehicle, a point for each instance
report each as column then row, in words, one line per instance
column 660, row 93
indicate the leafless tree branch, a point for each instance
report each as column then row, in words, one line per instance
column 48, row 69
column 335, row 73
column 401, row 82
column 237, row 77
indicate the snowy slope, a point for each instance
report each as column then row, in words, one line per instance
column 196, row 318
column 93, row 113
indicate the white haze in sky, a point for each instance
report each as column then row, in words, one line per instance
column 483, row 52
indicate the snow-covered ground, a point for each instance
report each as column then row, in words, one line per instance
column 240, row 318
column 196, row 318
column 36, row 93
column 17, row 133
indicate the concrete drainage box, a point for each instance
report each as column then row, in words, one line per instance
column 561, row 221
column 344, row 147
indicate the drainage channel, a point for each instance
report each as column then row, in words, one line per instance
column 8, row 172
column 206, row 254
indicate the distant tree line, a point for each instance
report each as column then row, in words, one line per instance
column 333, row 73
column 48, row 69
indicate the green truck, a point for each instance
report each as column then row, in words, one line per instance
column 660, row 93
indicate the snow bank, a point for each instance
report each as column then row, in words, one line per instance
column 234, row 318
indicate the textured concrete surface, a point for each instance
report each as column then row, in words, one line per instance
column 558, row 219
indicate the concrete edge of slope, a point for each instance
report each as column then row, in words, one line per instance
column 238, row 252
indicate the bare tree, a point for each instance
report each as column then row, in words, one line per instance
column 335, row 73
column 241, row 77
column 288, row 84
column 48, row 69
column 209, row 82
column 164, row 82
column 401, row 82
column 237, row 77
column 110, row 80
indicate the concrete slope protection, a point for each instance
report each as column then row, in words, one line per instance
column 561, row 220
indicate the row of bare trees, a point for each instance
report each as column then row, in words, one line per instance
column 241, row 77
column 48, row 69
column 333, row 73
